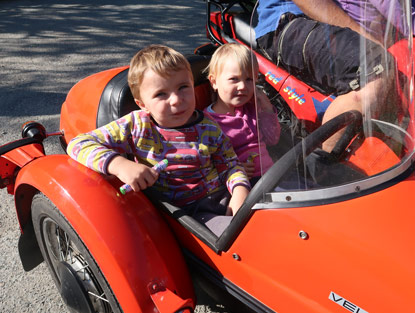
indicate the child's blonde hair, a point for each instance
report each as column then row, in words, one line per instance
column 160, row 59
column 241, row 53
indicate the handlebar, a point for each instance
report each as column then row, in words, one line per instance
column 225, row 6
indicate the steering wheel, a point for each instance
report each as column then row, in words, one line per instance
column 351, row 119
column 267, row 183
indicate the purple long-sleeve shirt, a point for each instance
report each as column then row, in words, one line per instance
column 242, row 130
column 373, row 15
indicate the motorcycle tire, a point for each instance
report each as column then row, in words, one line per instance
column 74, row 270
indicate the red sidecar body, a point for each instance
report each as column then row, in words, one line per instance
column 344, row 244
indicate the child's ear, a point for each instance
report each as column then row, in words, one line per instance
column 141, row 105
column 212, row 80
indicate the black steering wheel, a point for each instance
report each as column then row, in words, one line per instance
column 351, row 119
column 267, row 183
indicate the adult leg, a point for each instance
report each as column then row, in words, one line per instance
column 339, row 61
column 369, row 101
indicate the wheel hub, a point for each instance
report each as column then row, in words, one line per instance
column 72, row 290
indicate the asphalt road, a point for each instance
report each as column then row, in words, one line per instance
column 45, row 48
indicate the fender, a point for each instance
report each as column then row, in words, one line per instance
column 130, row 241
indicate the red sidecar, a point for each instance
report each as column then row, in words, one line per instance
column 341, row 243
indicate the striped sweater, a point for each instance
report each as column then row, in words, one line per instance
column 200, row 157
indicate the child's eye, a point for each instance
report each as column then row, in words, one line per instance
column 160, row 95
column 182, row 87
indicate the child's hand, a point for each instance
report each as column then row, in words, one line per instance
column 249, row 169
column 138, row 176
column 264, row 105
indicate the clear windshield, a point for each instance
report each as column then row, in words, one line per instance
column 344, row 102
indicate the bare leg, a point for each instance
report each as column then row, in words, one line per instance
column 369, row 100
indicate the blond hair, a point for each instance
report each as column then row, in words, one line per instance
column 160, row 59
column 241, row 53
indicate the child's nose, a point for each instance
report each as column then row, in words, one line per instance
column 241, row 85
column 174, row 99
